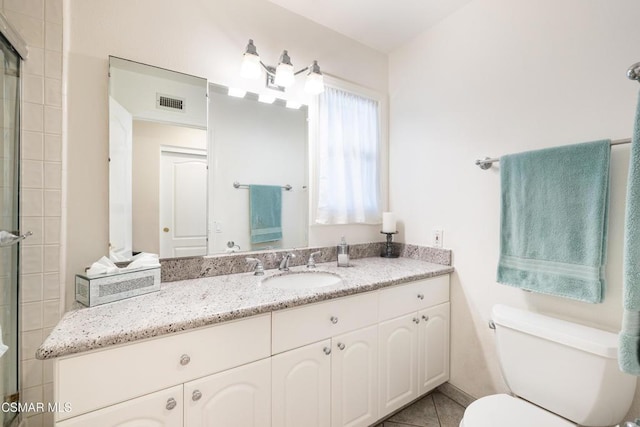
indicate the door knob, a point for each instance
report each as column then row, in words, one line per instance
column 171, row 403
column 166, row 229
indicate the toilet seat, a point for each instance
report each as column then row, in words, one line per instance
column 502, row 410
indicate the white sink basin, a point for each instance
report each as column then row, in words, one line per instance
column 302, row 280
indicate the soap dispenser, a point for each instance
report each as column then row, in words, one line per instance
column 343, row 253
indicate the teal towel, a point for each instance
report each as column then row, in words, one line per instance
column 629, row 339
column 265, row 204
column 554, row 220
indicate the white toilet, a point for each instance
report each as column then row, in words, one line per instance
column 562, row 373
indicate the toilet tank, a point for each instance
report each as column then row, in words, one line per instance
column 566, row 368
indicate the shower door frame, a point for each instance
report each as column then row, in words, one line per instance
column 13, row 42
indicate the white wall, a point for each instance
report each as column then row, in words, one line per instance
column 499, row 77
column 202, row 38
column 263, row 144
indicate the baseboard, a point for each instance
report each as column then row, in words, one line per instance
column 455, row 394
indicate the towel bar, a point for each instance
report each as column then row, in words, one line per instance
column 487, row 162
column 238, row 185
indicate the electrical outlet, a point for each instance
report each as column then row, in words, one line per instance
column 437, row 237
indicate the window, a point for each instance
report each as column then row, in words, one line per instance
column 348, row 158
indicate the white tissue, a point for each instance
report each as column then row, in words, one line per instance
column 143, row 260
column 3, row 347
column 103, row 266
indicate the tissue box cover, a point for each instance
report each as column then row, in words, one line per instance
column 96, row 290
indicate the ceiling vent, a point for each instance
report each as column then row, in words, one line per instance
column 171, row 103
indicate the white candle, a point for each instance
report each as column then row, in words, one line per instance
column 388, row 222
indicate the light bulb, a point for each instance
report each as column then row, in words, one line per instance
column 284, row 75
column 315, row 82
column 251, row 67
column 284, row 71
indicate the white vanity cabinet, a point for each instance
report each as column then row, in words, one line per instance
column 238, row 397
column 413, row 341
column 301, row 393
column 354, row 378
column 330, row 382
column 160, row 409
column 92, row 381
column 344, row 362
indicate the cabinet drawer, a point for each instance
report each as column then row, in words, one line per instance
column 95, row 380
column 165, row 407
column 414, row 296
column 303, row 325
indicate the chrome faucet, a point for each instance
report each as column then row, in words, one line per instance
column 311, row 262
column 258, row 268
column 284, row 264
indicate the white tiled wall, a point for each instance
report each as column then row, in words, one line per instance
column 40, row 24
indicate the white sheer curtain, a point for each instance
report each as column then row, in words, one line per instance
column 348, row 152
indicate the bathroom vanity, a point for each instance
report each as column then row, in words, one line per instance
column 253, row 355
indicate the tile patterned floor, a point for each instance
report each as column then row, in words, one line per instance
column 433, row 410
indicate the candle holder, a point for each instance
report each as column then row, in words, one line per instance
column 388, row 248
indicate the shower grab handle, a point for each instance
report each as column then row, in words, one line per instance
column 8, row 238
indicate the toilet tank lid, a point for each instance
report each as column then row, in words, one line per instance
column 581, row 337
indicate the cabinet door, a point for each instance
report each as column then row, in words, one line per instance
column 433, row 342
column 301, row 386
column 354, row 378
column 398, row 362
column 160, row 409
column 239, row 397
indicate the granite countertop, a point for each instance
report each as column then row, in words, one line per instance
column 189, row 304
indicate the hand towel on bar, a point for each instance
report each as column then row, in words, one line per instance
column 265, row 205
column 629, row 338
column 554, row 220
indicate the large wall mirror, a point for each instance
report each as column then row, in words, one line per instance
column 184, row 156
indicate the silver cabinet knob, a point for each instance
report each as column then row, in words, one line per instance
column 196, row 395
column 327, row 350
column 171, row 403
column 334, row 319
column 416, row 320
column 185, row 359
column 420, row 296
column 341, row 346
column 425, row 318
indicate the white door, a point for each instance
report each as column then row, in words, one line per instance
column 120, row 180
column 183, row 204
column 159, row 409
column 398, row 362
column 433, row 344
column 354, row 378
column 239, row 397
column 301, row 386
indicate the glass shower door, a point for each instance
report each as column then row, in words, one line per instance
column 9, row 261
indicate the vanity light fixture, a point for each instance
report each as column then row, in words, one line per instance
column 282, row 76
